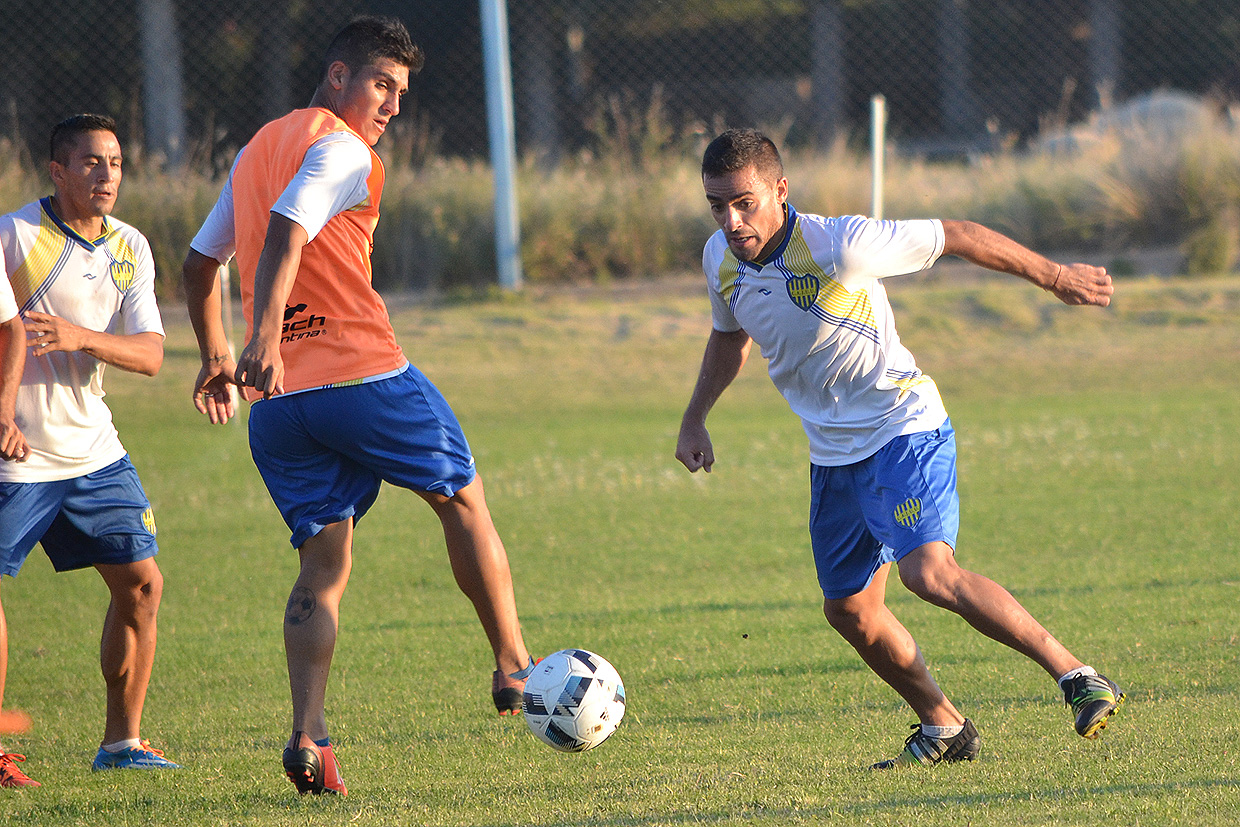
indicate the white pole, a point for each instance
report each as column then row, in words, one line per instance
column 501, row 130
column 164, row 101
column 878, row 140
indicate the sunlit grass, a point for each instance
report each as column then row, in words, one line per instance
column 1098, row 460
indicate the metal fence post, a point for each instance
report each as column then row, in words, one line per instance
column 500, row 130
column 878, row 143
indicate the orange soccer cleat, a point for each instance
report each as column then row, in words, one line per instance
column 10, row 775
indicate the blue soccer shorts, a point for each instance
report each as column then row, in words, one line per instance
column 874, row 512
column 101, row 517
column 324, row 453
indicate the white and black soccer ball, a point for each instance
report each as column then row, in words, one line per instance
column 574, row 700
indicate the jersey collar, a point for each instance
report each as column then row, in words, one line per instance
column 790, row 223
column 46, row 204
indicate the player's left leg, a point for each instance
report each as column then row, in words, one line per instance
column 914, row 508
column 480, row 566
column 127, row 647
column 931, row 572
column 126, row 657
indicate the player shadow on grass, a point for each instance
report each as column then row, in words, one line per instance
column 600, row 616
column 915, row 805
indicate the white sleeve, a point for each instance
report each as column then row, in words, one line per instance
column 8, row 304
column 721, row 316
column 139, row 311
column 217, row 238
column 332, row 178
column 868, row 249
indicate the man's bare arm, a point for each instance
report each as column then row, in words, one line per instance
column 725, row 356
column 1071, row 283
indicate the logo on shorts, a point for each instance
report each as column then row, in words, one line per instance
column 908, row 512
column 803, row 290
column 148, row 520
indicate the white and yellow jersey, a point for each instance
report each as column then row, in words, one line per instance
column 105, row 284
column 818, row 310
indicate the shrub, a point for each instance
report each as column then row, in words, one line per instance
column 632, row 206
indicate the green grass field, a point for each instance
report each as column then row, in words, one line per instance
column 1100, row 476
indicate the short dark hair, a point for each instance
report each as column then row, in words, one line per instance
column 737, row 149
column 65, row 133
column 371, row 38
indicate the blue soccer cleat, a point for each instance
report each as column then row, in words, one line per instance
column 142, row 757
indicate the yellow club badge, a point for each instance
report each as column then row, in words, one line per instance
column 908, row 512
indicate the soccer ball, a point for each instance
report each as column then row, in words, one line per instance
column 574, row 700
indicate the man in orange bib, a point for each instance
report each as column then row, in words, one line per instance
column 337, row 407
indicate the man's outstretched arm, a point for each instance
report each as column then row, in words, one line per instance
column 1071, row 283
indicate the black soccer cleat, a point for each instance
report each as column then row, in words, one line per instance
column 313, row 769
column 304, row 767
column 921, row 749
column 1094, row 699
column 507, row 690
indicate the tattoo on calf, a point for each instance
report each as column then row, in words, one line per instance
column 301, row 605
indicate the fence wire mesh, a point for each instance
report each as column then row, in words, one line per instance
column 192, row 80
column 614, row 102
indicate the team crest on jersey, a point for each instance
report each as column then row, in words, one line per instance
column 803, row 290
column 908, row 512
column 148, row 520
column 121, row 272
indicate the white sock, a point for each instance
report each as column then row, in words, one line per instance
column 943, row 733
column 1076, row 673
column 135, row 743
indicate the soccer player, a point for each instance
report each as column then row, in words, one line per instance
column 809, row 291
column 13, row 447
column 84, row 284
column 337, row 407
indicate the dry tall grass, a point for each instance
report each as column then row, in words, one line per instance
column 633, row 208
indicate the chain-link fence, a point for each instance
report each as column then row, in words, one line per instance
column 614, row 102
column 194, row 79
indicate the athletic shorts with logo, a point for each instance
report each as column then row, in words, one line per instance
column 324, row 453
column 876, row 511
column 100, row 517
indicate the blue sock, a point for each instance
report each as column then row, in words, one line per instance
column 326, row 742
